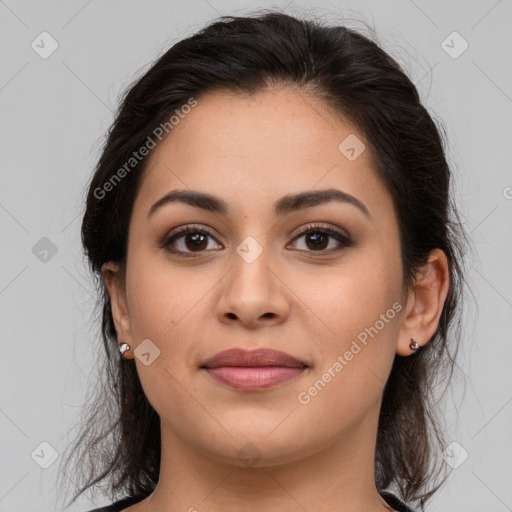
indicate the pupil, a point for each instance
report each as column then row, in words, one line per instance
column 317, row 239
column 197, row 240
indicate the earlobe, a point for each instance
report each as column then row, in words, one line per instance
column 113, row 280
column 425, row 304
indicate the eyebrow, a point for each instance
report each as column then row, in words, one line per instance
column 287, row 204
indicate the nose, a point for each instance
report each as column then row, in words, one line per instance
column 253, row 293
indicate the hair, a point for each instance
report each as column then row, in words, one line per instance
column 119, row 441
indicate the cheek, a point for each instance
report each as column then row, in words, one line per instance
column 353, row 369
column 165, row 305
column 352, row 296
column 169, row 305
column 162, row 297
column 357, row 310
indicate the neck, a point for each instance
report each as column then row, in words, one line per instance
column 338, row 477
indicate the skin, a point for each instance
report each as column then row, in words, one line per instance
column 319, row 456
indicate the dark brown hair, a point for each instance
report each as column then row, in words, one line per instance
column 119, row 441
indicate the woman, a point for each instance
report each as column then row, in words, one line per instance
column 280, row 264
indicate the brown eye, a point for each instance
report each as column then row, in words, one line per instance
column 194, row 240
column 317, row 239
column 187, row 241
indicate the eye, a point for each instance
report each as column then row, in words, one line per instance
column 317, row 239
column 195, row 240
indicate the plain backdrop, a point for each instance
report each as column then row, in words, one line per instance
column 55, row 110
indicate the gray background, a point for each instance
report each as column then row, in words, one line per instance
column 54, row 114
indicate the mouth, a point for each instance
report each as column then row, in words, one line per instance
column 253, row 370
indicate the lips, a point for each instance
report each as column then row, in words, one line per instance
column 253, row 370
column 253, row 358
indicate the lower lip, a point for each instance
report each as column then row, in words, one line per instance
column 253, row 378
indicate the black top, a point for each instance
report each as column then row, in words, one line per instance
column 390, row 499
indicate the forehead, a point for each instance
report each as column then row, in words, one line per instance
column 253, row 150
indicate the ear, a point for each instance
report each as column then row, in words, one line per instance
column 425, row 303
column 113, row 279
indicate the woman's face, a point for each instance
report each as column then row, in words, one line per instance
column 246, row 277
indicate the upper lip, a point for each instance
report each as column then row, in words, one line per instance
column 253, row 358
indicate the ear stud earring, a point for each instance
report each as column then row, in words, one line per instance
column 414, row 344
column 124, row 348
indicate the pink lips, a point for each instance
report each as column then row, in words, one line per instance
column 253, row 370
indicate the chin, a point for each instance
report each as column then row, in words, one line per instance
column 255, row 448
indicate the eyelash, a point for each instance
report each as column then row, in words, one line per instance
column 311, row 228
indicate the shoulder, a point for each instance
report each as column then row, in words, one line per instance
column 394, row 502
column 119, row 505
